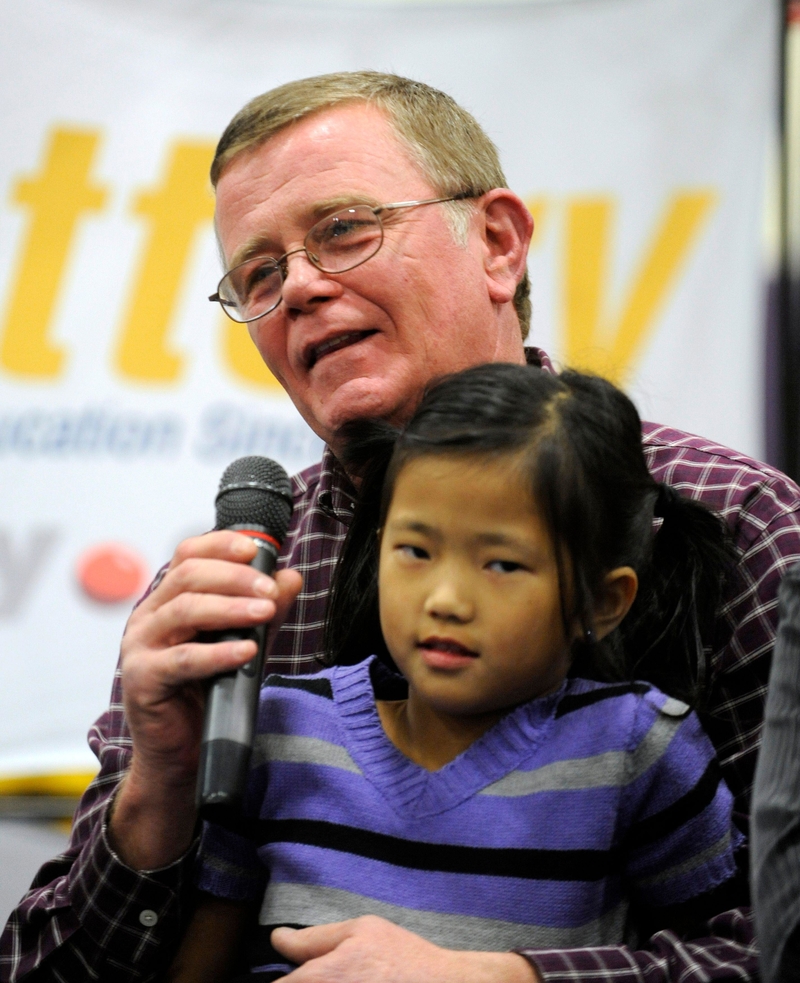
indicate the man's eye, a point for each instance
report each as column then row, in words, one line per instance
column 503, row 566
column 261, row 277
column 349, row 231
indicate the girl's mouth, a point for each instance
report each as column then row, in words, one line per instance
column 445, row 653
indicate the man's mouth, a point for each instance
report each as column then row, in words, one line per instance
column 334, row 345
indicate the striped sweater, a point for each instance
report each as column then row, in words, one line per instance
column 573, row 811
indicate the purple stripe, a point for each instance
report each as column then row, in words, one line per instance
column 527, row 821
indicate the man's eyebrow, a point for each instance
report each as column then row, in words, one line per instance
column 263, row 244
column 327, row 205
column 257, row 245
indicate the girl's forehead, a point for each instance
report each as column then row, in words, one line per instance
column 474, row 483
column 453, row 465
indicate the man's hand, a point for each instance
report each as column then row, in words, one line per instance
column 208, row 586
column 373, row 950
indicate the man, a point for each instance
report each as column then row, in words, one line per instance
column 446, row 288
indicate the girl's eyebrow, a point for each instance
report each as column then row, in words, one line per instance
column 484, row 538
column 411, row 525
column 497, row 539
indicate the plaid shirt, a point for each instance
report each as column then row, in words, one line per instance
column 88, row 916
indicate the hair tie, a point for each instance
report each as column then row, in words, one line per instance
column 666, row 501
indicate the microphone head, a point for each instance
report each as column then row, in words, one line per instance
column 255, row 491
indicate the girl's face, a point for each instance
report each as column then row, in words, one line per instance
column 469, row 590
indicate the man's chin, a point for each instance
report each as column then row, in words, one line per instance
column 360, row 399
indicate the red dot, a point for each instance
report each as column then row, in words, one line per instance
column 110, row 573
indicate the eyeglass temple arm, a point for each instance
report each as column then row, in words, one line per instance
column 461, row 196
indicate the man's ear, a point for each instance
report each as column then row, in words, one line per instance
column 617, row 593
column 507, row 227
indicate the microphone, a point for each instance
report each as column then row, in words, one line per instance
column 255, row 498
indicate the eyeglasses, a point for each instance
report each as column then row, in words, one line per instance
column 337, row 243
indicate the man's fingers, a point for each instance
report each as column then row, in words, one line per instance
column 212, row 576
column 199, row 660
column 183, row 616
column 301, row 944
column 288, row 583
column 223, row 544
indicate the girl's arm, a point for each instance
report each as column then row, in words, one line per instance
column 212, row 942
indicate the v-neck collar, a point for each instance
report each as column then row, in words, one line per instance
column 412, row 790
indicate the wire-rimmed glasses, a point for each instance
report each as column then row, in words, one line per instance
column 337, row 243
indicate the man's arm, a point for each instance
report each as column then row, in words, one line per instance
column 374, row 949
column 113, row 903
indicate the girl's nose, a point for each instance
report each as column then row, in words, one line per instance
column 450, row 601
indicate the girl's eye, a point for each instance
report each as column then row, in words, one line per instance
column 503, row 566
column 413, row 552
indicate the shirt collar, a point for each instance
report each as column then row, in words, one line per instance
column 336, row 492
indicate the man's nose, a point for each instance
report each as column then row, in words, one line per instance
column 304, row 285
column 450, row 600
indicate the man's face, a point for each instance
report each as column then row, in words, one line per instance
column 363, row 343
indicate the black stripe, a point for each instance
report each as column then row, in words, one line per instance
column 555, row 865
column 681, row 811
column 576, row 701
column 319, row 687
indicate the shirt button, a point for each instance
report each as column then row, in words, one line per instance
column 148, row 918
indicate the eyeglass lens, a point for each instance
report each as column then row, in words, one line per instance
column 336, row 244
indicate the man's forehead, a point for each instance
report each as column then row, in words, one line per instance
column 310, row 169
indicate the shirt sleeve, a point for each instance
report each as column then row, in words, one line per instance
column 87, row 916
column 727, row 952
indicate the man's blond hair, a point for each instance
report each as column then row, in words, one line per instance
column 444, row 140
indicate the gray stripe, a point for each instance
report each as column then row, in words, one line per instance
column 574, row 773
column 717, row 849
column 302, row 904
column 300, row 750
column 653, row 745
column 610, row 769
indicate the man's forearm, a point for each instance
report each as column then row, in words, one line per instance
column 152, row 821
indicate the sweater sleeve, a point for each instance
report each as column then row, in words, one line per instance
column 677, row 840
column 676, row 831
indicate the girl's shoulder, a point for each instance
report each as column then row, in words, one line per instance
column 627, row 712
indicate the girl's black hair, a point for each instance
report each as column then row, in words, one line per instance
column 581, row 442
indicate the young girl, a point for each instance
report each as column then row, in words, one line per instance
column 512, row 786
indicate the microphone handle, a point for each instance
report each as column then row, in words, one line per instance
column 231, row 708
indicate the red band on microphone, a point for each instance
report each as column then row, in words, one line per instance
column 261, row 535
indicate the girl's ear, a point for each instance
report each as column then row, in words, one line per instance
column 617, row 593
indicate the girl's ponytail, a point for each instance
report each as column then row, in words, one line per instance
column 670, row 626
column 352, row 629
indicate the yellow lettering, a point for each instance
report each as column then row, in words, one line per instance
column 56, row 197
column 593, row 340
column 175, row 212
column 243, row 358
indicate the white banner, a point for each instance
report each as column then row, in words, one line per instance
column 634, row 129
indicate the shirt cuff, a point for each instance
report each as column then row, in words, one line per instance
column 569, row 965
column 135, row 917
